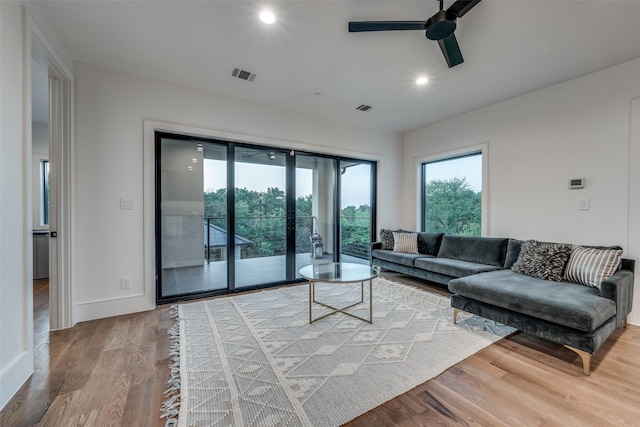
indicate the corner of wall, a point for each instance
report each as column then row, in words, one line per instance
column 634, row 202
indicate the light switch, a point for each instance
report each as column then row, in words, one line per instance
column 127, row 204
column 583, row 204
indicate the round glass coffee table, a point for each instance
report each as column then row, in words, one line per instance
column 339, row 273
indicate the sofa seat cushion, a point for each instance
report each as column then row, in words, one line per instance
column 397, row 257
column 452, row 267
column 567, row 304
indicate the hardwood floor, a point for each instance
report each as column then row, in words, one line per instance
column 112, row 372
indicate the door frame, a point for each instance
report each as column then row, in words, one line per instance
column 151, row 126
column 61, row 143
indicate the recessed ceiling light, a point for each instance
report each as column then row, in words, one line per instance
column 422, row 80
column 267, row 17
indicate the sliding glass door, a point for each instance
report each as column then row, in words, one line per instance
column 233, row 216
column 357, row 183
column 191, row 216
column 315, row 210
column 260, row 216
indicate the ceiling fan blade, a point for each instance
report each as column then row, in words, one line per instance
column 451, row 50
column 365, row 26
column 461, row 7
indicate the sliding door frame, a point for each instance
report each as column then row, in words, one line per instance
column 290, row 191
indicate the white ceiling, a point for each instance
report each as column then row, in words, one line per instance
column 510, row 48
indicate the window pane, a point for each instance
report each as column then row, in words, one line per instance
column 453, row 195
column 44, row 200
column 355, row 212
column 261, row 216
column 192, row 223
column 315, row 207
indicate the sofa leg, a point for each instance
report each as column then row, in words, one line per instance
column 456, row 311
column 586, row 359
column 624, row 323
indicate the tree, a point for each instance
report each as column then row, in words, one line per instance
column 452, row 207
column 261, row 218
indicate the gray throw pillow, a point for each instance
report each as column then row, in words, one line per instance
column 542, row 260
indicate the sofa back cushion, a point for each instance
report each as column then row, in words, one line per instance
column 429, row 243
column 513, row 250
column 481, row 250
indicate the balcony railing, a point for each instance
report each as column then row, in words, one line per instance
column 260, row 236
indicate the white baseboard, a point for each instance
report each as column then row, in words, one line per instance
column 14, row 376
column 113, row 307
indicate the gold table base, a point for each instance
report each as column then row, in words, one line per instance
column 312, row 300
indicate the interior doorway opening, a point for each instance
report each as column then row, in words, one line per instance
column 40, row 198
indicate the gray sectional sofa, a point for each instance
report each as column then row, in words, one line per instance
column 477, row 270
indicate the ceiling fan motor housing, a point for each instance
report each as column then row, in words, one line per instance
column 441, row 25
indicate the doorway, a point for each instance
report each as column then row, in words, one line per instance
column 234, row 216
column 54, row 138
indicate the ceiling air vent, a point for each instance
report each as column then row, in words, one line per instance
column 364, row 107
column 243, row 74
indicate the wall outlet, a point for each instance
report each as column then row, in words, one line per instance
column 125, row 282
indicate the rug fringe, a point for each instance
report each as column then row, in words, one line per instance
column 171, row 406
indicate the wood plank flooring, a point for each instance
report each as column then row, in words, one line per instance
column 112, row 372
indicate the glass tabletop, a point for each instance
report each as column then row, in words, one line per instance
column 339, row 272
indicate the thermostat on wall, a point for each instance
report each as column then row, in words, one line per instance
column 576, row 183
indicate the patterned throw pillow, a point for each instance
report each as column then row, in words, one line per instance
column 386, row 237
column 589, row 266
column 542, row 260
column 405, row 242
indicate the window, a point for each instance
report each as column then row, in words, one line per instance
column 44, row 192
column 452, row 195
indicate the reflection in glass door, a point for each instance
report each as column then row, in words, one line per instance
column 191, row 217
column 356, row 210
column 260, row 216
column 315, row 210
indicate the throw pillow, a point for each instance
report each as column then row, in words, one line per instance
column 405, row 242
column 589, row 266
column 542, row 260
column 386, row 237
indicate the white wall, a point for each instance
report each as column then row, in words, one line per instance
column 537, row 142
column 16, row 360
column 16, row 298
column 110, row 109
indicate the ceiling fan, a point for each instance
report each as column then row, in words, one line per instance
column 440, row 27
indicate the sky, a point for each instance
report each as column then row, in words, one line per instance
column 464, row 167
column 261, row 177
column 354, row 192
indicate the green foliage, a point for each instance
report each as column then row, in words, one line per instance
column 356, row 231
column 452, row 207
column 261, row 218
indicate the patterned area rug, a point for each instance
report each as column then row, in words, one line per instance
column 254, row 359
